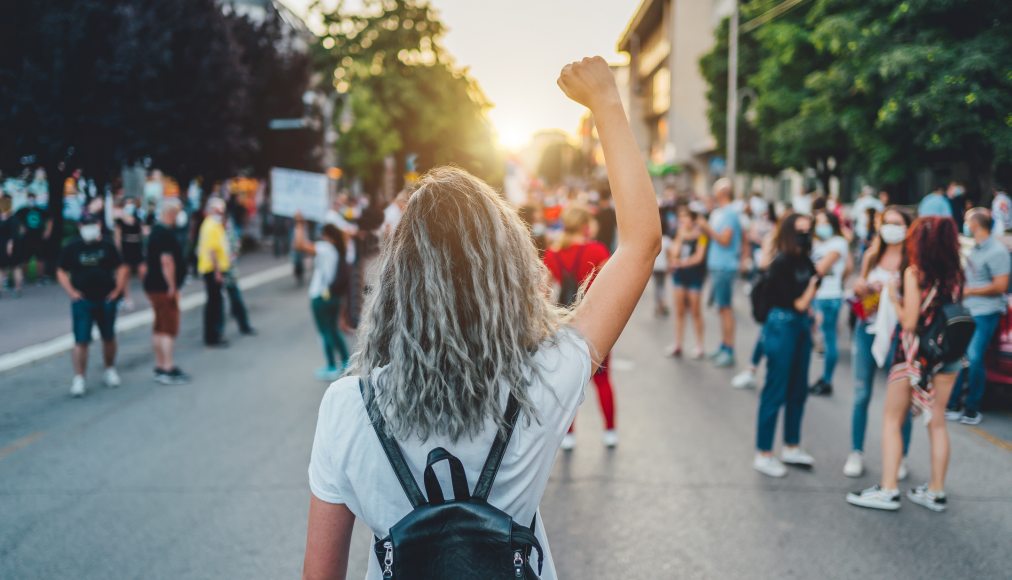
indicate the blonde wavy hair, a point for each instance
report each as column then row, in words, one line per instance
column 461, row 308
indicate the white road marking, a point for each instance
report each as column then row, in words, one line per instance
column 60, row 344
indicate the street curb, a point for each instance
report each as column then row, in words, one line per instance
column 64, row 343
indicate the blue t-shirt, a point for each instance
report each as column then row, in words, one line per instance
column 986, row 262
column 720, row 257
column 934, row 204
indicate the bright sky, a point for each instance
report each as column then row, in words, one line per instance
column 516, row 48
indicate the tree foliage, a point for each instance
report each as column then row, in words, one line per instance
column 882, row 88
column 406, row 95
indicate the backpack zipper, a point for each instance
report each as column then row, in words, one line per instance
column 518, row 564
column 388, row 560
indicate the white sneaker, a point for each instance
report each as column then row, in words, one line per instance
column 904, row 471
column 744, row 380
column 933, row 500
column 953, row 414
column 697, row 354
column 876, row 498
column 111, row 378
column 855, row 464
column 768, row 465
column 568, row 442
column 610, row 438
column 77, row 387
column 796, row 456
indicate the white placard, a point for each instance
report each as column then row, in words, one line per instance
column 299, row 191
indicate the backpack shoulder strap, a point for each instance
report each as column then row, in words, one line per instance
column 391, row 449
column 495, row 455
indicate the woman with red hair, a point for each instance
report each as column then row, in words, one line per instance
column 932, row 279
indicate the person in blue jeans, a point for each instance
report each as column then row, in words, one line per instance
column 787, row 344
column 723, row 260
column 880, row 267
column 830, row 255
column 987, row 274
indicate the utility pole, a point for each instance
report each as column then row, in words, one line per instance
column 732, row 96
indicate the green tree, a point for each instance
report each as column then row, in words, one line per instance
column 405, row 92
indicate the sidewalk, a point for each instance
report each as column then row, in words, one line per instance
column 43, row 312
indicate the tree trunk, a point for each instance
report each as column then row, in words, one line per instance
column 54, row 178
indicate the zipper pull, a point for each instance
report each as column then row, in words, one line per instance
column 388, row 560
column 518, row 564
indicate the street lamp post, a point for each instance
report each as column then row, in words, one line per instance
column 732, row 96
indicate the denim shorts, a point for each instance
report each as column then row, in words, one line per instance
column 690, row 285
column 953, row 367
column 87, row 313
column 722, row 287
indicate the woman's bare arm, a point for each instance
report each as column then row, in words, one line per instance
column 610, row 301
column 328, row 541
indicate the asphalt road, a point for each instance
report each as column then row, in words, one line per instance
column 208, row 480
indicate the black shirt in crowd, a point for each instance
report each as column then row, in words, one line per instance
column 131, row 241
column 8, row 233
column 162, row 241
column 33, row 219
column 92, row 267
column 788, row 279
column 606, row 225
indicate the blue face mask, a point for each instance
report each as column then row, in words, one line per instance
column 966, row 230
column 824, row 231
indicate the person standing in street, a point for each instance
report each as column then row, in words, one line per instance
column 687, row 260
column 882, row 266
column 327, row 289
column 724, row 233
column 163, row 278
column 932, row 280
column 212, row 263
column 461, row 341
column 863, row 222
column 830, row 254
column 787, row 344
column 935, row 204
column 129, row 236
column 574, row 265
column 987, row 275
column 1001, row 211
column 10, row 273
column 35, row 229
column 93, row 275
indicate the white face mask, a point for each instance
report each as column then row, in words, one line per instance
column 181, row 219
column 216, row 218
column 893, row 233
column 129, row 209
column 91, row 232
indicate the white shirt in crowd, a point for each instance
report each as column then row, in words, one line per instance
column 860, row 213
column 832, row 282
column 324, row 268
column 348, row 465
column 391, row 218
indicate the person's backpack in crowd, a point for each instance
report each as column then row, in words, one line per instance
column 456, row 539
column 759, row 296
column 569, row 286
column 948, row 336
column 342, row 278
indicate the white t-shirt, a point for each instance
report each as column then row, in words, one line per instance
column 832, row 282
column 391, row 218
column 348, row 465
column 324, row 267
column 860, row 213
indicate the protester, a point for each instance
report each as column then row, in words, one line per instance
column 499, row 338
column 935, row 204
column 236, row 304
column 163, row 279
column 1001, row 211
column 129, row 237
column 687, row 260
column 574, row 264
column 363, row 254
column 605, row 218
column 93, row 275
column 723, row 260
column 330, row 269
column 931, row 280
column 10, row 272
column 830, row 255
column 956, row 192
column 212, row 264
column 787, row 344
column 863, row 219
column 987, row 277
column 661, row 278
column 35, row 229
column 882, row 266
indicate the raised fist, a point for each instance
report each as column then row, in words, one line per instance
column 589, row 82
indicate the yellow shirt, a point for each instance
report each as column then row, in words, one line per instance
column 212, row 241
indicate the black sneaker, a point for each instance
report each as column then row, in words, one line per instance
column 821, row 389
column 178, row 376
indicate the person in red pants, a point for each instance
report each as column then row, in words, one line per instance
column 574, row 263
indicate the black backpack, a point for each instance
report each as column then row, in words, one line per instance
column 569, row 287
column 465, row 537
column 759, row 296
column 946, row 339
column 342, row 278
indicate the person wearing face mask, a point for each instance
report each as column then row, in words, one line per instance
column 831, row 256
column 787, row 344
column 35, row 228
column 213, row 263
column 987, row 275
column 129, row 238
column 92, row 273
column 880, row 267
